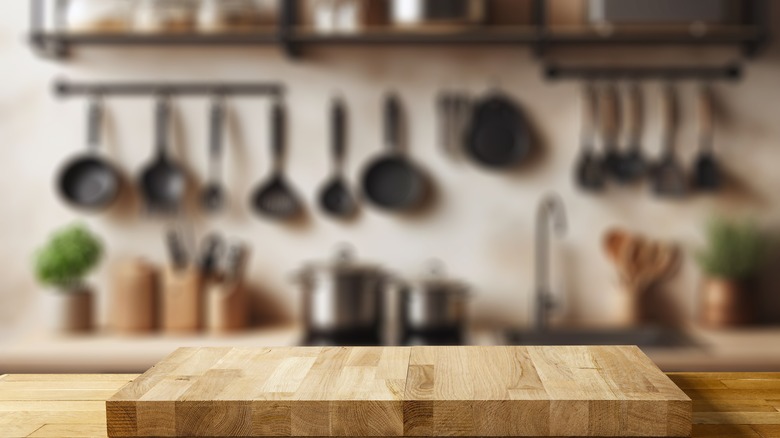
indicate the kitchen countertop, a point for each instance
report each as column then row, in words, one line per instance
column 733, row 405
column 742, row 350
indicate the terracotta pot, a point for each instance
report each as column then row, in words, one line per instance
column 725, row 303
column 70, row 310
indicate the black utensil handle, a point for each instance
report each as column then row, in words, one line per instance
column 590, row 117
column 94, row 123
column 338, row 122
column 610, row 115
column 706, row 115
column 669, row 106
column 217, row 127
column 163, row 120
column 393, row 122
column 636, row 114
column 277, row 135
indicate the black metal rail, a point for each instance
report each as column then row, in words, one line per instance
column 65, row 88
column 727, row 72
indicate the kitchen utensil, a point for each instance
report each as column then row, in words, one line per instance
column 392, row 181
column 343, row 297
column 707, row 171
column 434, row 303
column 611, row 118
column 669, row 179
column 336, row 198
column 177, row 250
column 632, row 166
column 213, row 196
column 614, row 239
column 212, row 249
column 589, row 170
column 499, row 136
column 163, row 183
column 275, row 198
column 89, row 181
column 235, row 262
column 454, row 111
column 414, row 13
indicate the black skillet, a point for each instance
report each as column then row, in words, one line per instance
column 499, row 136
column 89, row 181
column 589, row 171
column 707, row 170
column 391, row 181
column 163, row 182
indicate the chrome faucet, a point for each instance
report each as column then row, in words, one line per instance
column 551, row 215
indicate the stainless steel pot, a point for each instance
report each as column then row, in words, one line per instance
column 342, row 297
column 434, row 304
column 438, row 12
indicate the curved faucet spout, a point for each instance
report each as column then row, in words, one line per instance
column 551, row 216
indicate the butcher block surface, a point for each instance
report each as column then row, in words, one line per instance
column 402, row 391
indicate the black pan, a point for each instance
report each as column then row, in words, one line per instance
column 392, row 181
column 499, row 136
column 163, row 182
column 89, row 181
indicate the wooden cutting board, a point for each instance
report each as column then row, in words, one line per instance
column 402, row 391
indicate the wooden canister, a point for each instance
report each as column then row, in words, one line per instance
column 182, row 300
column 226, row 306
column 134, row 297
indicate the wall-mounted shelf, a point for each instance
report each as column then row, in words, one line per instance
column 751, row 34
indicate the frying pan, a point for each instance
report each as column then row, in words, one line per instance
column 669, row 179
column 391, row 181
column 89, row 181
column 499, row 136
column 163, row 183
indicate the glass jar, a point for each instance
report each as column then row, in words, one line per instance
column 95, row 16
column 166, row 16
column 236, row 15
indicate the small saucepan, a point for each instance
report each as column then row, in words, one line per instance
column 434, row 304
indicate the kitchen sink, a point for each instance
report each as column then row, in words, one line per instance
column 648, row 337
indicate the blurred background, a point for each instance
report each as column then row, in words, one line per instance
column 460, row 172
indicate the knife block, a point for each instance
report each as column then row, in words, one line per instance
column 226, row 306
column 182, row 300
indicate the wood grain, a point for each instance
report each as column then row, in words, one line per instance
column 16, row 419
column 402, row 391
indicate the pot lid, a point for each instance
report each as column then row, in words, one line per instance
column 436, row 281
column 344, row 261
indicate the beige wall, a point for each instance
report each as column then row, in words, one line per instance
column 482, row 226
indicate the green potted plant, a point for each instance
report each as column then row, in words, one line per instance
column 62, row 264
column 733, row 256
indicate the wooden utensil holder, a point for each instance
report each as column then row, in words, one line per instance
column 226, row 306
column 182, row 300
column 134, row 297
